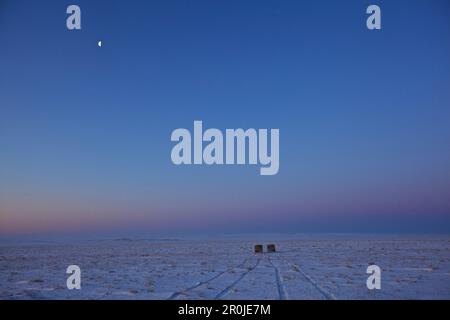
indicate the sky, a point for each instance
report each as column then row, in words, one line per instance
column 364, row 116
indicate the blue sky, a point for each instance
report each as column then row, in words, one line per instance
column 364, row 116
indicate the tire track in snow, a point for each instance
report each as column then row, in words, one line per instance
column 325, row 293
column 282, row 293
column 231, row 286
column 202, row 283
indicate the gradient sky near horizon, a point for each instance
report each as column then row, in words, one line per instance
column 364, row 116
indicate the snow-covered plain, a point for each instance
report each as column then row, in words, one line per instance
column 306, row 268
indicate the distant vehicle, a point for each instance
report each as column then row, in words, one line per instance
column 258, row 248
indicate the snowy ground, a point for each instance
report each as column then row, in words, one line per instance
column 315, row 268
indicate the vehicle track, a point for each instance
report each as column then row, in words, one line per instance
column 206, row 282
column 325, row 293
column 282, row 293
column 232, row 285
